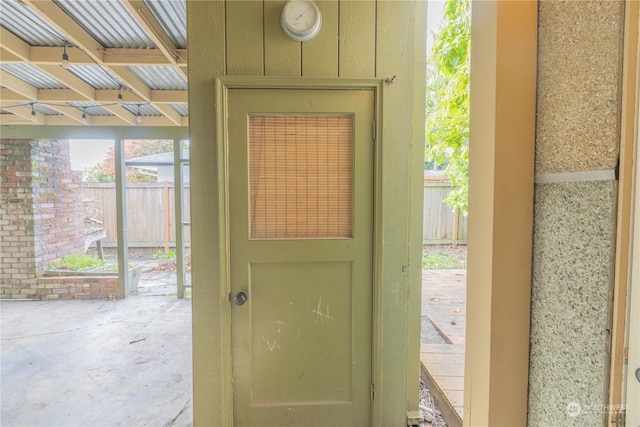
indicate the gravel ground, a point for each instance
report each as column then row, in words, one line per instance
column 426, row 400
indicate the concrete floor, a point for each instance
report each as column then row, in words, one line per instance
column 128, row 362
column 96, row 363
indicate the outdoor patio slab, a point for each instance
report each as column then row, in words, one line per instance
column 128, row 362
column 96, row 363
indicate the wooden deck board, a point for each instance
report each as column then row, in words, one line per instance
column 444, row 302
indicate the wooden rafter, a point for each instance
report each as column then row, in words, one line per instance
column 152, row 27
column 84, row 50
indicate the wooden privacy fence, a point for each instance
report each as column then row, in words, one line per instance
column 441, row 224
column 148, row 213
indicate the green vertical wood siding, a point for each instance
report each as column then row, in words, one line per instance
column 358, row 40
column 245, row 37
column 320, row 55
column 357, row 51
column 282, row 55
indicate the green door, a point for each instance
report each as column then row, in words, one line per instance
column 301, row 250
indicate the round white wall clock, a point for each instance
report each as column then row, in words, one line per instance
column 300, row 20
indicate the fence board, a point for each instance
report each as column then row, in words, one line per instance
column 438, row 218
column 145, row 213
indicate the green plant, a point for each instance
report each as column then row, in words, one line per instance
column 440, row 260
column 187, row 293
column 76, row 263
column 170, row 254
column 114, row 267
column 447, row 127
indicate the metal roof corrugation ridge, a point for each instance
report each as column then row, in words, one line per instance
column 41, row 108
column 182, row 109
column 91, row 108
column 96, row 76
column 28, row 26
column 159, row 77
column 109, row 22
column 146, row 110
column 32, row 75
column 172, row 16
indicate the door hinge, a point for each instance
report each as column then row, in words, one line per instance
column 373, row 392
column 374, row 131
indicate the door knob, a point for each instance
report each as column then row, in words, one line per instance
column 240, row 298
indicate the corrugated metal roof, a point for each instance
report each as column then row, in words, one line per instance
column 96, row 76
column 115, row 29
column 109, row 22
column 144, row 110
column 182, row 109
column 172, row 16
column 160, row 77
column 26, row 24
column 91, row 108
column 41, row 108
column 32, row 75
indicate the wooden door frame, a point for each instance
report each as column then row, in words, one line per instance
column 222, row 87
column 628, row 146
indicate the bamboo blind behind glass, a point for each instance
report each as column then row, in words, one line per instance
column 300, row 172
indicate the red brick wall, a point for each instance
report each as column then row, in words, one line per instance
column 57, row 203
column 41, row 214
column 17, row 251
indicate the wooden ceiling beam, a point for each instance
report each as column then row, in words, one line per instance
column 112, row 56
column 83, row 49
column 60, row 95
column 169, row 97
column 23, row 111
column 141, row 12
column 14, row 44
column 53, row 55
column 6, row 94
column 71, row 112
column 7, row 57
column 115, row 56
column 122, row 113
column 170, row 113
column 70, row 80
column 18, row 86
column 156, row 121
column 12, row 119
column 102, row 96
column 132, row 82
column 76, row 35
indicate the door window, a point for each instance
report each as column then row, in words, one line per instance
column 300, row 172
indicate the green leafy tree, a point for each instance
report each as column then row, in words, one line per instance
column 105, row 171
column 447, row 134
column 96, row 174
column 132, row 149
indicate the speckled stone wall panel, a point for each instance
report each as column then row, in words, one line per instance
column 574, row 242
column 579, row 69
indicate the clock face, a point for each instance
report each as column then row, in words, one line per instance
column 301, row 19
